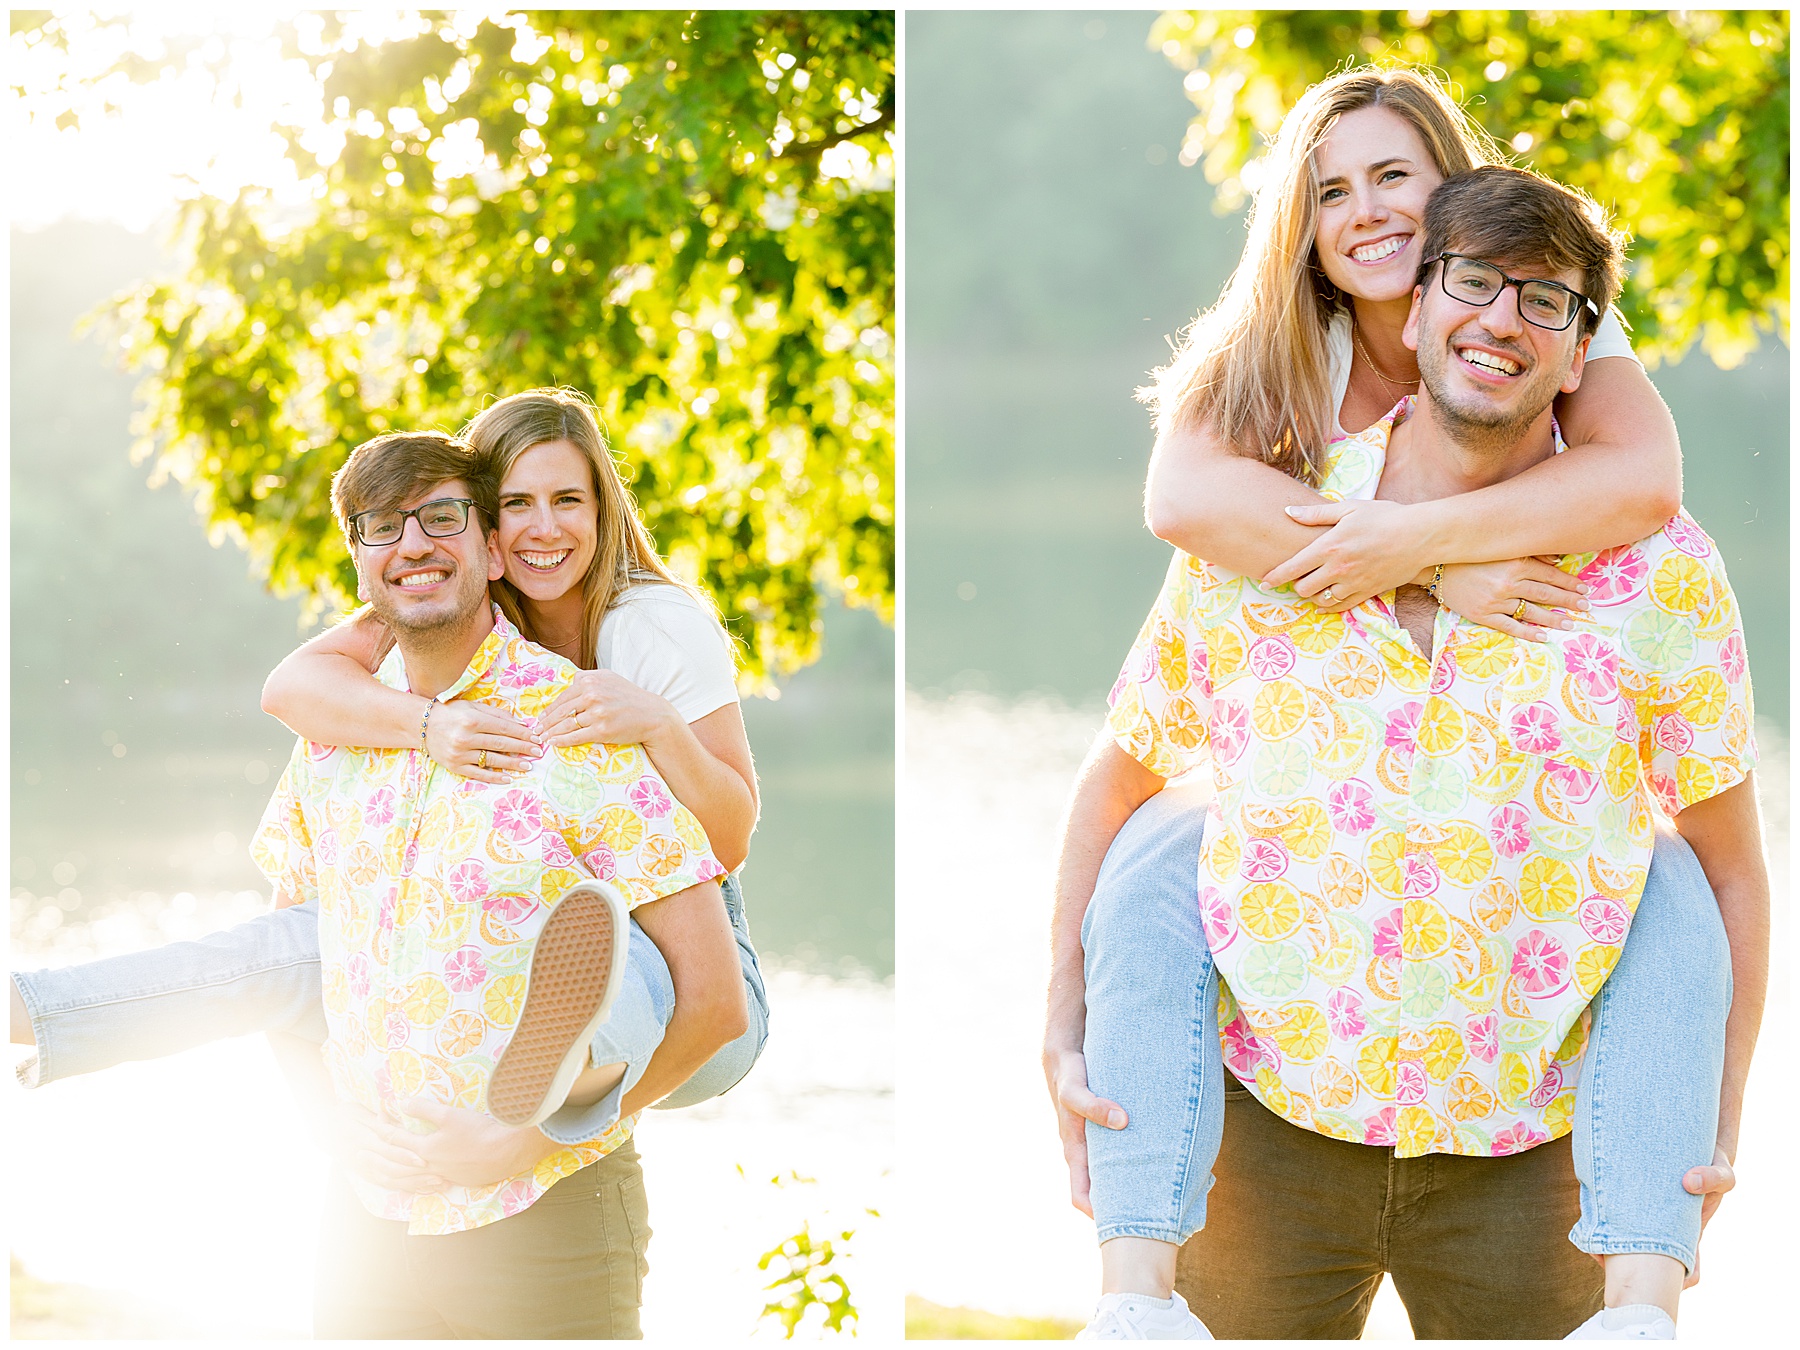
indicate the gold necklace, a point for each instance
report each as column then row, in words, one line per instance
column 1400, row 385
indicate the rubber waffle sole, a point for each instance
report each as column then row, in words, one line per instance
column 567, row 987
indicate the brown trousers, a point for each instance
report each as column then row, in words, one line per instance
column 1300, row 1229
column 570, row 1267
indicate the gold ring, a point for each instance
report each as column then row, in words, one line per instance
column 481, row 763
column 1327, row 596
column 1519, row 613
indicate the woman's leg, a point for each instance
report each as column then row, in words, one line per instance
column 1647, row 1107
column 1152, row 1044
column 262, row 975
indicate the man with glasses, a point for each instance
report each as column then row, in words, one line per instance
column 468, row 945
column 1423, row 854
column 433, row 894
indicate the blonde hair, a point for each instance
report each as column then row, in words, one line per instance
column 624, row 554
column 1256, row 365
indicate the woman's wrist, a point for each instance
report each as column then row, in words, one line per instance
column 1430, row 535
column 668, row 729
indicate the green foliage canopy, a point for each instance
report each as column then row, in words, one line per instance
column 688, row 215
column 1677, row 122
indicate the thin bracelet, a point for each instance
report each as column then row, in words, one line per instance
column 425, row 721
column 1437, row 575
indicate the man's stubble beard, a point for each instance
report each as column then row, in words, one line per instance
column 429, row 631
column 1484, row 430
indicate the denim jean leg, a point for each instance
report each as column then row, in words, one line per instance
column 1152, row 1042
column 1647, row 1106
column 262, row 975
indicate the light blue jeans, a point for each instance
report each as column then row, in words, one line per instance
column 1646, row 1109
column 264, row 976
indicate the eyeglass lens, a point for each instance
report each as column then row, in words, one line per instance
column 438, row 519
column 1544, row 303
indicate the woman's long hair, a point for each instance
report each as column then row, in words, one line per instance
column 1256, row 366
column 624, row 554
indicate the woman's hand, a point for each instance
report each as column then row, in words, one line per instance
column 1489, row 594
column 604, row 708
column 479, row 742
column 467, row 1148
column 1370, row 547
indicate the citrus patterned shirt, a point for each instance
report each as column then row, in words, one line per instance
column 1417, row 873
column 431, row 888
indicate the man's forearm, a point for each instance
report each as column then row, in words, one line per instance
column 1725, row 833
column 1744, row 905
column 693, row 932
column 1109, row 788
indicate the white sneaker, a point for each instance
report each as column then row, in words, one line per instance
column 1633, row 1322
column 1134, row 1317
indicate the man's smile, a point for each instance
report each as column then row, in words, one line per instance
column 1489, row 362
column 417, row 577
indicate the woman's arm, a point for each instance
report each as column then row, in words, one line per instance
column 706, row 763
column 1208, row 500
column 326, row 691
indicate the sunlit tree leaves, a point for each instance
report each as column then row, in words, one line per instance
column 1678, row 122
column 688, row 215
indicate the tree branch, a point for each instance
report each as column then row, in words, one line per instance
column 813, row 149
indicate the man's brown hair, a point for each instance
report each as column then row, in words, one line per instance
column 1513, row 217
column 389, row 470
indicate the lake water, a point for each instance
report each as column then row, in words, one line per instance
column 987, row 1221
column 192, row 1183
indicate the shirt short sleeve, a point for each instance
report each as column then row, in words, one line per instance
column 282, row 848
column 1697, row 720
column 1160, row 705
column 662, row 639
column 1609, row 339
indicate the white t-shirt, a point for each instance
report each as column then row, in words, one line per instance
column 662, row 639
column 1608, row 340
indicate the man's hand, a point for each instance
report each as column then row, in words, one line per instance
column 1066, row 1071
column 1712, row 1182
column 467, row 1148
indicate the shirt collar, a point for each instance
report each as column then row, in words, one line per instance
column 1353, row 464
column 393, row 669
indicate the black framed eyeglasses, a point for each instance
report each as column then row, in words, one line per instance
column 1543, row 304
column 439, row 519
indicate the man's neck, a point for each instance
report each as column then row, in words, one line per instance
column 436, row 660
column 1430, row 456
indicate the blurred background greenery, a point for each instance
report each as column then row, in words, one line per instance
column 364, row 221
column 1054, row 242
column 140, row 759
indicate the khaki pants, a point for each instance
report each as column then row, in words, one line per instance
column 570, row 1267
column 1301, row 1228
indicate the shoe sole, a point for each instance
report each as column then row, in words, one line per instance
column 576, row 967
